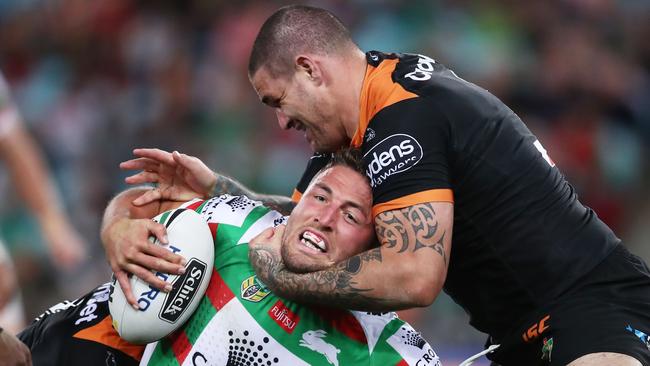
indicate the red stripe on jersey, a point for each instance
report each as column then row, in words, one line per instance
column 402, row 363
column 213, row 229
column 218, row 292
column 343, row 322
column 181, row 346
column 195, row 205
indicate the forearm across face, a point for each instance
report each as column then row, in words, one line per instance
column 408, row 270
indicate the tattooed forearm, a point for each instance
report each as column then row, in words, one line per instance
column 412, row 228
column 228, row 185
column 335, row 286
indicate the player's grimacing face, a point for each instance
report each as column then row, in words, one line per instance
column 332, row 221
column 301, row 105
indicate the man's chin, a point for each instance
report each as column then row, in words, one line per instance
column 297, row 262
column 299, row 267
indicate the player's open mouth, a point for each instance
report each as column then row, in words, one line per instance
column 297, row 125
column 313, row 241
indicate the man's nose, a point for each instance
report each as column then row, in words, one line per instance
column 283, row 120
column 326, row 216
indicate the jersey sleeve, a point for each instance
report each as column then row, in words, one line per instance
column 400, row 340
column 391, row 341
column 406, row 154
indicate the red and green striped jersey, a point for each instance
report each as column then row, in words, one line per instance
column 240, row 322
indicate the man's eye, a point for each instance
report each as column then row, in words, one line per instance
column 319, row 198
column 351, row 218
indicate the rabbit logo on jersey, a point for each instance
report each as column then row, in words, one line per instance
column 394, row 154
column 315, row 341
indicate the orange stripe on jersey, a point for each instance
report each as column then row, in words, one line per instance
column 432, row 195
column 384, row 92
column 296, row 196
column 104, row 333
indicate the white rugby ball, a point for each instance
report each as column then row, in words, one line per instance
column 162, row 313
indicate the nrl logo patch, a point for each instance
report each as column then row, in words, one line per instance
column 253, row 289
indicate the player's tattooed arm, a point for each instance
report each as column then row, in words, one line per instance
column 231, row 186
column 408, row 269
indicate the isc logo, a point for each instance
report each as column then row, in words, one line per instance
column 423, row 70
column 536, row 329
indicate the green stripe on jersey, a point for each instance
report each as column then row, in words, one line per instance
column 199, row 320
column 384, row 353
column 229, row 235
column 165, row 216
column 163, row 355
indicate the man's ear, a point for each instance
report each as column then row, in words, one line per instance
column 310, row 67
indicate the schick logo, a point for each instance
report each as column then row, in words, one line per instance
column 183, row 290
column 392, row 155
column 423, row 70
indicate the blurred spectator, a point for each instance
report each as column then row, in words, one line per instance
column 31, row 179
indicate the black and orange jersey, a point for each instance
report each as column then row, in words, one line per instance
column 520, row 236
column 79, row 332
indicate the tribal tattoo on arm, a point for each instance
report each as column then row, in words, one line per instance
column 411, row 229
column 346, row 284
column 225, row 184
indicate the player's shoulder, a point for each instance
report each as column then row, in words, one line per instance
column 389, row 337
column 235, row 219
column 416, row 73
column 228, row 209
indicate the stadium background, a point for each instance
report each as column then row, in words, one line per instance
column 95, row 79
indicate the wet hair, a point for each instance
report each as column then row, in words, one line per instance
column 295, row 29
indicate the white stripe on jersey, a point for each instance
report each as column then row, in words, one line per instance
column 271, row 219
column 412, row 347
column 373, row 325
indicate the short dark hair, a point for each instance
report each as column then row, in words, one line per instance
column 348, row 157
column 294, row 29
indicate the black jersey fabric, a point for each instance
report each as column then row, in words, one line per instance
column 79, row 332
column 521, row 238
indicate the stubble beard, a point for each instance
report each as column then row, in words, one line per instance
column 296, row 262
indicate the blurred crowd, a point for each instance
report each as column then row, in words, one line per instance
column 95, row 79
